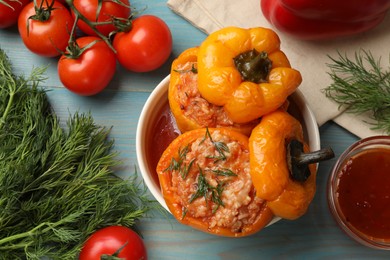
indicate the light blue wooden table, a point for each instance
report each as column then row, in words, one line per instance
column 313, row 236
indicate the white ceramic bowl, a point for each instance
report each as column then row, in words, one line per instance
column 159, row 98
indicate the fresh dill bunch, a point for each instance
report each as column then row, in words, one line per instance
column 57, row 186
column 361, row 86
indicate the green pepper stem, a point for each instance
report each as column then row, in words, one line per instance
column 253, row 66
column 314, row 157
column 298, row 160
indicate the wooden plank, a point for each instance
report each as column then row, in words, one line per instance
column 315, row 235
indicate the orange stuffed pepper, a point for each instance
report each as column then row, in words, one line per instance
column 205, row 181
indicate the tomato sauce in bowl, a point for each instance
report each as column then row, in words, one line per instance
column 163, row 131
column 359, row 192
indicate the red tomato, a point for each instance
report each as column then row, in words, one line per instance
column 146, row 46
column 109, row 9
column 111, row 239
column 92, row 71
column 45, row 37
column 9, row 14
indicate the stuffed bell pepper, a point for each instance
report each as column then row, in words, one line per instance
column 282, row 169
column 245, row 71
column 190, row 109
column 205, row 181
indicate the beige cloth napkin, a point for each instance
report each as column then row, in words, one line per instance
column 310, row 58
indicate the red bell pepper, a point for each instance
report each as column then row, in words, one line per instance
column 322, row 19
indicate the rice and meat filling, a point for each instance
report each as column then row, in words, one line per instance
column 194, row 105
column 214, row 183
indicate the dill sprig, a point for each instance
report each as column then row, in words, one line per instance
column 192, row 70
column 221, row 148
column 209, row 192
column 224, row 172
column 179, row 165
column 57, row 186
column 361, row 86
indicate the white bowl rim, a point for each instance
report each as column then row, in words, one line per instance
column 161, row 90
column 156, row 94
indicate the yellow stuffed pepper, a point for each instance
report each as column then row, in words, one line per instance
column 245, row 71
column 189, row 108
column 281, row 167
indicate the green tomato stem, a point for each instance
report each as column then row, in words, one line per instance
column 92, row 25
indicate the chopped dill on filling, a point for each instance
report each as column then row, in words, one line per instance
column 204, row 189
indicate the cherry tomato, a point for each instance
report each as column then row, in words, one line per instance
column 89, row 73
column 109, row 240
column 146, row 46
column 45, row 36
column 109, row 9
column 9, row 12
